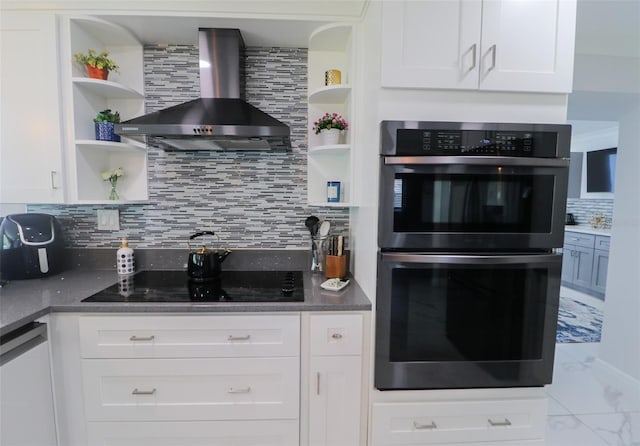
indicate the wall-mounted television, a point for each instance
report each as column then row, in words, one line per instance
column 601, row 170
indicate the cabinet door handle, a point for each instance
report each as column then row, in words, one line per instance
column 421, row 426
column 318, row 383
column 54, row 177
column 238, row 338
column 239, row 390
column 337, row 336
column 493, row 57
column 473, row 56
column 143, row 392
column 506, row 422
column 135, row 338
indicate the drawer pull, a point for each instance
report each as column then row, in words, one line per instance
column 432, row 425
column 143, row 392
column 142, row 338
column 336, row 336
column 238, row 338
column 240, row 390
column 506, row 422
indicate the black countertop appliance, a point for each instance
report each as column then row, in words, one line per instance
column 31, row 246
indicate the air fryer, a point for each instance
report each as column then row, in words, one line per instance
column 31, row 246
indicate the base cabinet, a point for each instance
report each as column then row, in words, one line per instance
column 585, row 260
column 513, row 421
column 210, row 433
column 335, row 390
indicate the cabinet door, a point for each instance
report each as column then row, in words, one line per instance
column 600, row 268
column 30, row 132
column 583, row 266
column 334, row 403
column 527, row 45
column 568, row 263
column 431, row 44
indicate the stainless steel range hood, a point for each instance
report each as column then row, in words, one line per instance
column 219, row 119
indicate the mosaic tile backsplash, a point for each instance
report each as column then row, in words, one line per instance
column 251, row 200
column 582, row 210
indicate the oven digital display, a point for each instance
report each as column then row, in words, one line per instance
column 475, row 142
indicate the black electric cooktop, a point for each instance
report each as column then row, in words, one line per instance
column 232, row 286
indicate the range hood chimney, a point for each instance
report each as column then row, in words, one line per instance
column 220, row 119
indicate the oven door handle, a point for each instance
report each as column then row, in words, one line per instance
column 469, row 259
column 477, row 161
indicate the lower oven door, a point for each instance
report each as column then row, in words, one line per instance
column 465, row 320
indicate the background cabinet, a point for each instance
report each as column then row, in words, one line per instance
column 585, row 259
column 31, row 161
column 494, row 45
column 330, row 47
column 123, row 92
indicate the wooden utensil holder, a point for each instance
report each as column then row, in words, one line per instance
column 336, row 267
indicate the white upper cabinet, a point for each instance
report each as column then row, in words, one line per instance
column 30, row 133
column 498, row 45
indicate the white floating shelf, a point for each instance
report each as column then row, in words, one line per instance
column 112, row 146
column 109, row 33
column 330, row 149
column 332, row 94
column 107, row 88
column 341, row 204
column 114, row 202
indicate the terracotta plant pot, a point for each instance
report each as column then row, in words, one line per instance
column 97, row 73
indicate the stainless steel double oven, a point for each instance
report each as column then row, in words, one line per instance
column 468, row 281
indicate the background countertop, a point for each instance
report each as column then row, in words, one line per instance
column 587, row 229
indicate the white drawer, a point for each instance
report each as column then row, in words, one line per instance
column 195, row 433
column 445, row 422
column 191, row 389
column 190, row 336
column 336, row 334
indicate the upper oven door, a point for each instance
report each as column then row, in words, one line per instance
column 472, row 203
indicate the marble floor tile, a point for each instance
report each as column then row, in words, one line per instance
column 620, row 429
column 567, row 430
column 555, row 408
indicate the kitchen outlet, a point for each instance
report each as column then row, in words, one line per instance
column 108, row 220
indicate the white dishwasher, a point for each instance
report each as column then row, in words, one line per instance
column 26, row 397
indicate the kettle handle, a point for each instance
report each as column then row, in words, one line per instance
column 198, row 234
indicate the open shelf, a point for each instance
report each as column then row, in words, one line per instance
column 109, row 145
column 331, row 94
column 329, row 149
column 107, row 88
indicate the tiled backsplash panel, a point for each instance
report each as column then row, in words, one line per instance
column 252, row 200
column 582, row 210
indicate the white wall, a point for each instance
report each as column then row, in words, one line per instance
column 620, row 344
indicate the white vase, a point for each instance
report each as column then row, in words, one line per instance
column 330, row 137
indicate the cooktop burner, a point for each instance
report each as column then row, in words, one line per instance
column 232, row 286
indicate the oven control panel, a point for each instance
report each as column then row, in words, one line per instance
column 474, row 142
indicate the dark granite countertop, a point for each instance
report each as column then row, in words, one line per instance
column 23, row 301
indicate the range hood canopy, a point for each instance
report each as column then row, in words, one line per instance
column 219, row 119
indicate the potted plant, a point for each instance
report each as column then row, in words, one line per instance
column 104, row 125
column 330, row 126
column 98, row 65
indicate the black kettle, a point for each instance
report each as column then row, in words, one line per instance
column 205, row 264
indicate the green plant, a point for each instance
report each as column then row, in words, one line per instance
column 97, row 60
column 330, row 121
column 107, row 116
